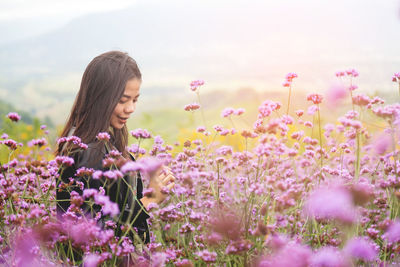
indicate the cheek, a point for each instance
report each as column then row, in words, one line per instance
column 118, row 109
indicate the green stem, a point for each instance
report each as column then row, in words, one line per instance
column 320, row 143
column 201, row 109
column 288, row 105
column 358, row 159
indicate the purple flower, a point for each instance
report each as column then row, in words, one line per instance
column 328, row 257
column 312, row 109
column 335, row 93
column 26, row 247
column 227, row 112
column 147, row 165
column 239, row 111
column 97, row 175
column 108, row 207
column 113, row 174
column 14, row 116
column 290, row 76
column 207, row 256
column 91, row 260
column 393, row 232
column 158, row 259
column 194, row 85
column 360, row 248
column 64, row 160
column 201, row 129
column 191, row 107
column 293, row 255
column 90, row 192
column 382, row 143
column 104, row 136
column 352, row 72
column 10, row 143
column 331, row 203
column 183, row 263
column 37, row 142
column 140, row 134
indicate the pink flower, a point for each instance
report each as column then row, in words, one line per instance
column 104, row 136
column 361, row 100
column 290, row 76
column 91, row 260
column 315, row 98
column 191, row 107
column 299, row 112
column 201, row 129
column 331, row 203
column 227, row 112
column 312, row 109
column 14, row 116
column 353, row 87
column 267, row 107
column 292, row 254
column 382, row 143
column 335, row 93
column 239, row 111
column 396, row 77
column 328, row 256
column 140, row 134
column 393, row 232
column 194, row 85
column 64, row 160
column 147, row 165
column 107, row 207
column 360, row 248
column 340, row 74
column 207, row 256
column 286, row 84
column 352, row 73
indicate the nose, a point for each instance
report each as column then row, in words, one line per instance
column 130, row 108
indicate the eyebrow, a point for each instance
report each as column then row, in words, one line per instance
column 126, row 96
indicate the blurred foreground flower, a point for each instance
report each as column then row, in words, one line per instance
column 393, row 232
column 335, row 94
column 292, row 254
column 331, row 203
column 362, row 249
column 328, row 257
column 147, row 165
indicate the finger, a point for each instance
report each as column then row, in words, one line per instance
column 169, row 178
column 170, row 186
column 165, row 170
column 165, row 174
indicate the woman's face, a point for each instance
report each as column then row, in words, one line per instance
column 126, row 105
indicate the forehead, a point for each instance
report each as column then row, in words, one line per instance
column 132, row 88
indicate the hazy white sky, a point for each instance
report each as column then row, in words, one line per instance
column 26, row 9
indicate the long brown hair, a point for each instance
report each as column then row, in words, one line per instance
column 103, row 84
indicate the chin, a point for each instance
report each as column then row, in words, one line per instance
column 118, row 126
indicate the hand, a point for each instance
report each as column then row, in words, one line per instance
column 162, row 178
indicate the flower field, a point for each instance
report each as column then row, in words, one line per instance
column 294, row 192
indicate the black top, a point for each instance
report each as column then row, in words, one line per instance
column 131, row 209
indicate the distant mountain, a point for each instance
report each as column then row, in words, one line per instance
column 231, row 46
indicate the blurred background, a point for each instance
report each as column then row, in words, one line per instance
column 241, row 49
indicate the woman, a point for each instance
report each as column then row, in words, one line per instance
column 107, row 97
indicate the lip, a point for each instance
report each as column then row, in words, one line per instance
column 122, row 120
